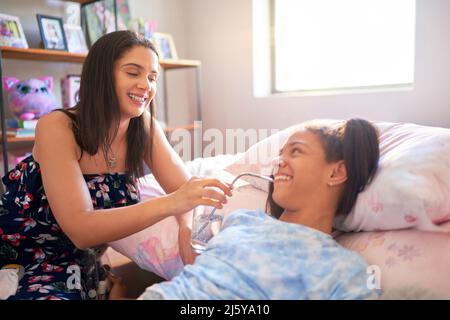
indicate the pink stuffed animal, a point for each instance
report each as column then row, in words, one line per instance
column 30, row 99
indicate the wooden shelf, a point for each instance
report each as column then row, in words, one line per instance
column 41, row 55
column 179, row 64
column 64, row 56
column 19, row 139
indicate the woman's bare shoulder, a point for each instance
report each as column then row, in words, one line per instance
column 54, row 128
column 53, row 119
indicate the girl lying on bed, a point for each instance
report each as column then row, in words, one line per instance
column 289, row 254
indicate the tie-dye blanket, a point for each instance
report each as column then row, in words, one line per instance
column 258, row 257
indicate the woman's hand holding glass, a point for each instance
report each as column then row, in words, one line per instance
column 196, row 192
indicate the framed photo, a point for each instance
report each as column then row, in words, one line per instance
column 70, row 89
column 52, row 32
column 11, row 32
column 165, row 45
column 76, row 42
column 99, row 18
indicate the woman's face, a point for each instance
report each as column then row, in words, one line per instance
column 302, row 171
column 135, row 77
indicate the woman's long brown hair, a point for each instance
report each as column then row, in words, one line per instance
column 97, row 116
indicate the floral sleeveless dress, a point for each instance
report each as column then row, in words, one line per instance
column 50, row 266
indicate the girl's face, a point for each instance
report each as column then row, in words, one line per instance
column 135, row 77
column 302, row 171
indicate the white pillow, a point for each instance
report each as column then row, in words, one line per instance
column 410, row 189
column 412, row 186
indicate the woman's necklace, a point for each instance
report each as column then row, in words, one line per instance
column 112, row 160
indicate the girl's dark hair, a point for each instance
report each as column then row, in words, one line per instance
column 97, row 116
column 355, row 142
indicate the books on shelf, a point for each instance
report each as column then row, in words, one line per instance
column 26, row 124
column 20, row 132
column 20, row 128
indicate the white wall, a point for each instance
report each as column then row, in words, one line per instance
column 220, row 35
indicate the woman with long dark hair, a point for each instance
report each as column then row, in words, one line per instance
column 78, row 189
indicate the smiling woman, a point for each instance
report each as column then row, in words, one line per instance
column 290, row 254
column 79, row 187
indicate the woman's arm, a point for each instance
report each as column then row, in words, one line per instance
column 170, row 170
column 70, row 200
column 171, row 173
column 69, row 197
column 166, row 165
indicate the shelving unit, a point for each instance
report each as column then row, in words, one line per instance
column 120, row 264
column 64, row 56
column 34, row 54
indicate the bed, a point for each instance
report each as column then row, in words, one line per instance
column 400, row 223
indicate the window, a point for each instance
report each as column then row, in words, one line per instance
column 329, row 44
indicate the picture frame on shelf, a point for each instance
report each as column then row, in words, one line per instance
column 72, row 13
column 123, row 14
column 70, row 90
column 11, row 32
column 165, row 46
column 76, row 42
column 99, row 18
column 52, row 32
column 144, row 27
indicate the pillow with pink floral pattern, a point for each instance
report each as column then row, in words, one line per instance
column 410, row 264
column 410, row 190
column 155, row 248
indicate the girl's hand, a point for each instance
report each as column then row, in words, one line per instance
column 197, row 191
column 184, row 243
